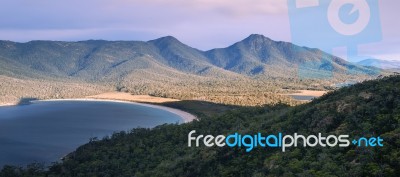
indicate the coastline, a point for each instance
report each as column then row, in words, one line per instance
column 185, row 116
column 314, row 93
column 7, row 104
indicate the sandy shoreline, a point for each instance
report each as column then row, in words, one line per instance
column 186, row 117
column 133, row 98
column 314, row 93
column 7, row 104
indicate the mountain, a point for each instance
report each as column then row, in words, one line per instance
column 250, row 72
column 257, row 55
column 98, row 60
column 383, row 64
column 367, row 109
column 104, row 60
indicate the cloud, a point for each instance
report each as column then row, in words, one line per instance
column 71, row 14
column 230, row 7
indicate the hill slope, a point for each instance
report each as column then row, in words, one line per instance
column 103, row 60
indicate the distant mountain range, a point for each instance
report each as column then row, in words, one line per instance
column 383, row 64
column 98, row 60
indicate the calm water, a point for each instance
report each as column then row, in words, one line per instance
column 303, row 97
column 47, row 131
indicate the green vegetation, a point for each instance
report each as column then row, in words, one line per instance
column 371, row 108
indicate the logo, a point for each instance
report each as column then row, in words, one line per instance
column 332, row 24
column 349, row 17
column 279, row 140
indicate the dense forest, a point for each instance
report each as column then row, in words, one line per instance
column 371, row 108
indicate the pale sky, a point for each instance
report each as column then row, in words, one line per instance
column 203, row 24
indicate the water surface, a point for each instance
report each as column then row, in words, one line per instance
column 46, row 131
column 303, row 97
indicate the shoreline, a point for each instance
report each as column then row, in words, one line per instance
column 314, row 93
column 7, row 104
column 185, row 116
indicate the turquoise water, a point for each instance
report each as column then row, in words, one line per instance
column 47, row 131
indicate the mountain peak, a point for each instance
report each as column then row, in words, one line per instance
column 257, row 37
column 166, row 39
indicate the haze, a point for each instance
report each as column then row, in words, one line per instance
column 204, row 24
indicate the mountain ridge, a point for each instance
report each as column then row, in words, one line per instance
column 96, row 60
column 254, row 71
column 379, row 63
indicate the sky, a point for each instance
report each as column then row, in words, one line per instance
column 202, row 24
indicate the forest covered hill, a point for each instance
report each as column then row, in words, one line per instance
column 371, row 108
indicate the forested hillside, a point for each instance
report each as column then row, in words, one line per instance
column 371, row 108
